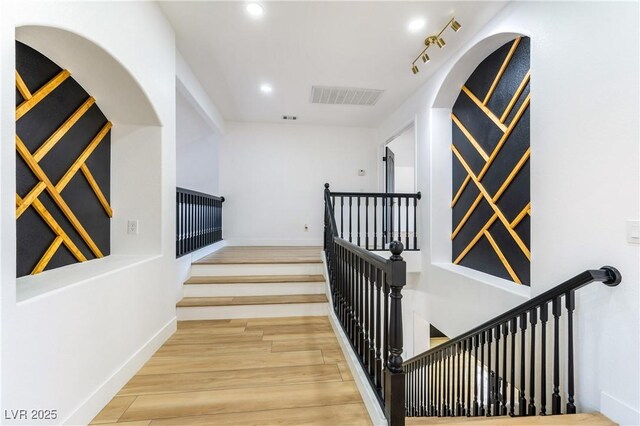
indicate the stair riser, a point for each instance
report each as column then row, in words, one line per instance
column 252, row 311
column 256, row 269
column 220, row 290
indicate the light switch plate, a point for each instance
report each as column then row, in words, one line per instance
column 633, row 231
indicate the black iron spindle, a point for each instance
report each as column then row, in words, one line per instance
column 544, row 316
column 555, row 397
column 570, row 303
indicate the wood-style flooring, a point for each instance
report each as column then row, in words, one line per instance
column 249, row 255
column 242, row 372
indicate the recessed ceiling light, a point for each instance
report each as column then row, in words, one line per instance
column 416, row 25
column 255, row 9
column 266, row 88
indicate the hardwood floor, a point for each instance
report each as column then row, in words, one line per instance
column 248, row 255
column 242, row 372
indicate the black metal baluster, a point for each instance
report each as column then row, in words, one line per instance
column 350, row 218
column 489, row 375
column 512, row 379
column 533, row 319
column 496, row 384
column 378, row 330
column 366, row 222
column 570, row 303
column 457, row 364
column 341, row 216
column 469, row 348
column 555, row 397
column 358, row 306
column 385, row 222
column 544, row 316
column 415, row 223
column 476, row 409
column 447, row 410
column 385, row 354
column 358, row 239
column 367, row 343
column 482, row 341
column 363, row 315
column 463, row 346
column 406, row 222
column 375, row 223
column 372, row 310
column 522, row 401
column 390, row 219
column 505, row 333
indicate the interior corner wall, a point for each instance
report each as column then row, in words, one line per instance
column 197, row 149
column 72, row 348
column 585, row 185
column 273, row 176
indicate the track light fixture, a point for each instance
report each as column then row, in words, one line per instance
column 434, row 39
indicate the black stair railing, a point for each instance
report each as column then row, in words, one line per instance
column 198, row 220
column 372, row 220
column 366, row 292
column 491, row 370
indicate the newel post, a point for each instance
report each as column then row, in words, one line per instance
column 394, row 400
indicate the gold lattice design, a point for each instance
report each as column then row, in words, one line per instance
column 55, row 190
column 492, row 199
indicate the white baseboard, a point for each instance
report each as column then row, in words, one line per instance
column 362, row 382
column 618, row 411
column 91, row 406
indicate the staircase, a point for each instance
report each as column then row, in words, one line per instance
column 255, row 282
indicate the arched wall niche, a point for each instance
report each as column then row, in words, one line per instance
column 440, row 136
column 136, row 145
column 120, row 96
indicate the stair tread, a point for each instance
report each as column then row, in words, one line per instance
column 255, row 279
column 252, row 300
column 262, row 255
column 583, row 419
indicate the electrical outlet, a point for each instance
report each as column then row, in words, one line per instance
column 306, row 227
column 132, row 226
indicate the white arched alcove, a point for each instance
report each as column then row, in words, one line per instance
column 441, row 168
column 135, row 154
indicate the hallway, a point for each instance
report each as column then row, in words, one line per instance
column 242, row 371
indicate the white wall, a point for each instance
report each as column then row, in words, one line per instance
column 71, row 337
column 584, row 186
column 272, row 178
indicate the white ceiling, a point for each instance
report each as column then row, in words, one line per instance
column 295, row 45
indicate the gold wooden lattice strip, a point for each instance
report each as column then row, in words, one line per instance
column 83, row 157
column 57, row 229
column 22, row 87
column 504, row 137
column 96, row 189
column 526, row 210
column 31, row 196
column 460, row 190
column 512, row 175
column 41, row 93
column 484, row 109
column 466, row 216
column 495, row 208
column 503, row 259
column 516, row 96
column 44, row 261
column 475, row 239
column 502, row 69
column 40, row 174
column 470, row 137
column 62, row 130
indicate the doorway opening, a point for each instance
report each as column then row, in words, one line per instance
column 399, row 178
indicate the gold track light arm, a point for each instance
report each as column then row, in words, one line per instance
column 434, row 39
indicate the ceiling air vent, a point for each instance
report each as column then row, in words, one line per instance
column 344, row 95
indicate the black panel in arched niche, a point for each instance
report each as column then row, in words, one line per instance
column 491, row 206
column 63, row 168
